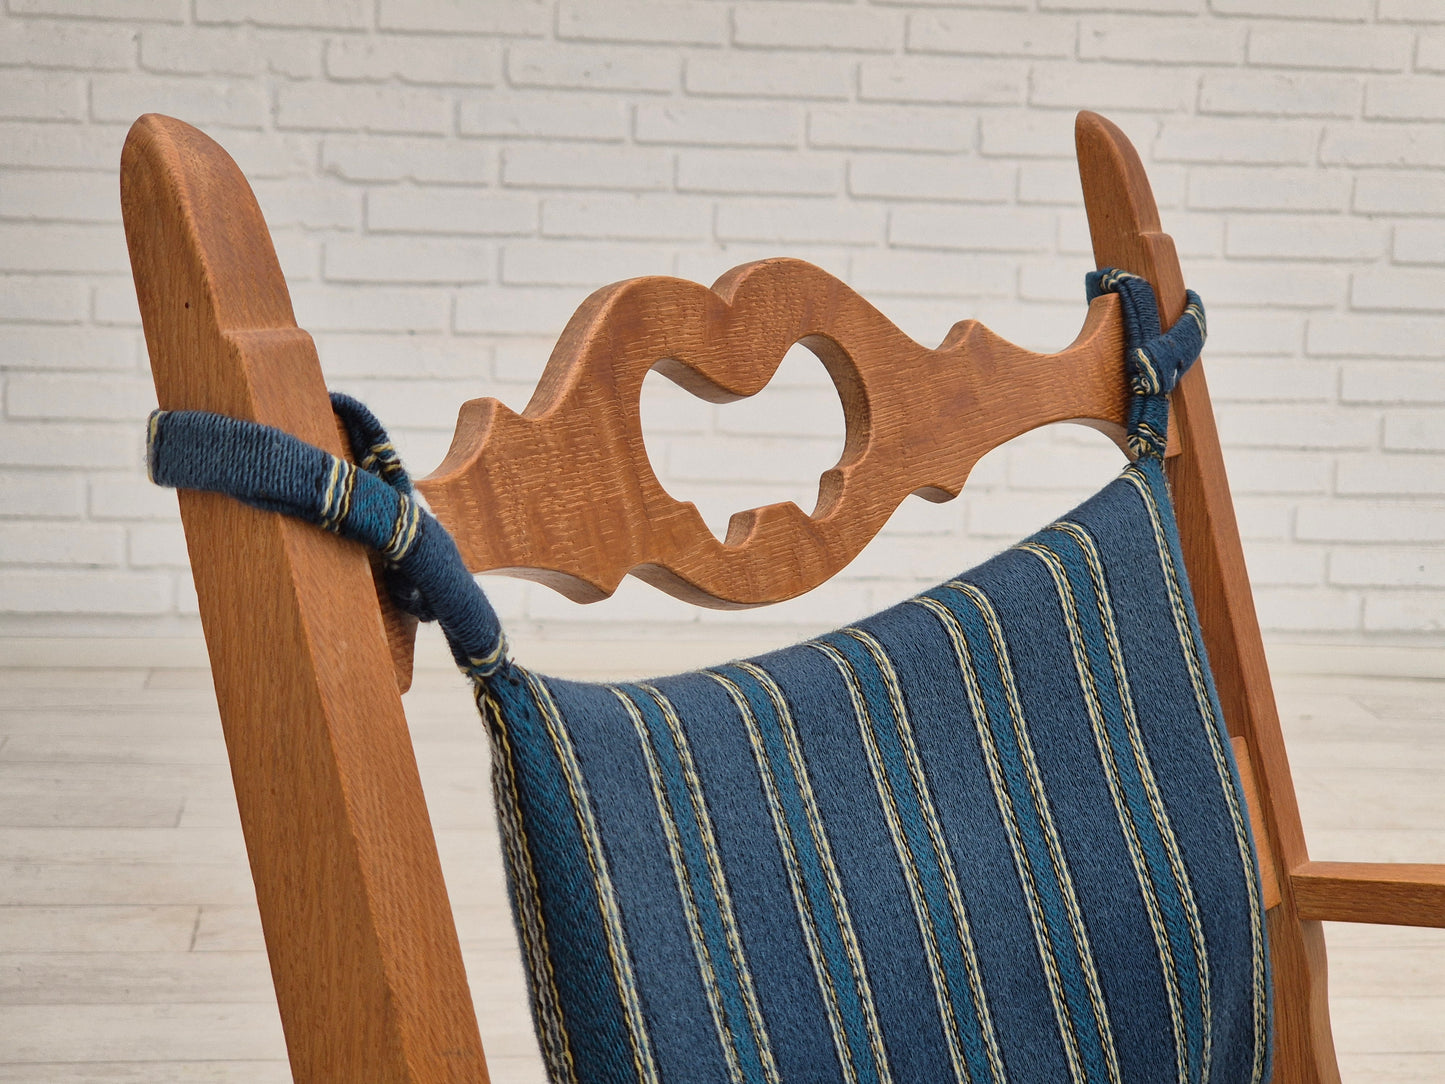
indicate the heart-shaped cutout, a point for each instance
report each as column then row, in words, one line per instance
column 770, row 447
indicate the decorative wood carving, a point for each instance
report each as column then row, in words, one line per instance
column 564, row 493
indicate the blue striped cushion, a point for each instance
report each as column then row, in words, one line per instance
column 994, row 833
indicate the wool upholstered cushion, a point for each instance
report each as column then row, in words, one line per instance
column 994, row 833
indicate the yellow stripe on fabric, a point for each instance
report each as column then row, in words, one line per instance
column 493, row 656
column 532, row 925
column 1088, row 687
column 684, row 888
column 1214, row 727
column 834, row 882
column 398, row 528
column 1043, row 940
column 1196, row 313
column 1046, row 821
column 348, row 488
column 806, row 919
column 722, row 893
column 153, row 426
column 333, row 476
column 403, row 529
column 618, row 955
column 415, row 526
column 1115, row 276
column 1148, row 382
column 1145, row 767
column 411, row 517
column 906, row 862
column 383, row 454
column 934, row 825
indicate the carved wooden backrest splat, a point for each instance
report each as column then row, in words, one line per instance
column 564, row 493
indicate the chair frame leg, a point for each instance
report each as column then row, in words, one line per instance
column 1124, row 224
column 364, row 952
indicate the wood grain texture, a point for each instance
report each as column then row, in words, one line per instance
column 358, row 928
column 1124, row 224
column 564, row 493
column 1268, row 872
column 1392, row 894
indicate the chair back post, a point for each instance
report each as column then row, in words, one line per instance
column 1124, row 223
column 363, row 949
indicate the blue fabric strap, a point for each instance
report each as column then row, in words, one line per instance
column 1154, row 361
column 371, row 448
column 370, row 502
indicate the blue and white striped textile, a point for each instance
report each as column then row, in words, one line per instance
column 994, row 833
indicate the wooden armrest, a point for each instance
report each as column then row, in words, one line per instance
column 1392, row 894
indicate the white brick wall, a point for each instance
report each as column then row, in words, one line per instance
column 447, row 179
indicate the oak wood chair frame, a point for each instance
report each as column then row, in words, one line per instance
column 309, row 661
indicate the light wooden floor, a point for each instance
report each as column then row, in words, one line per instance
column 130, row 948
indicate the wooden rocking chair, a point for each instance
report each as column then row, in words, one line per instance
column 308, row 655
